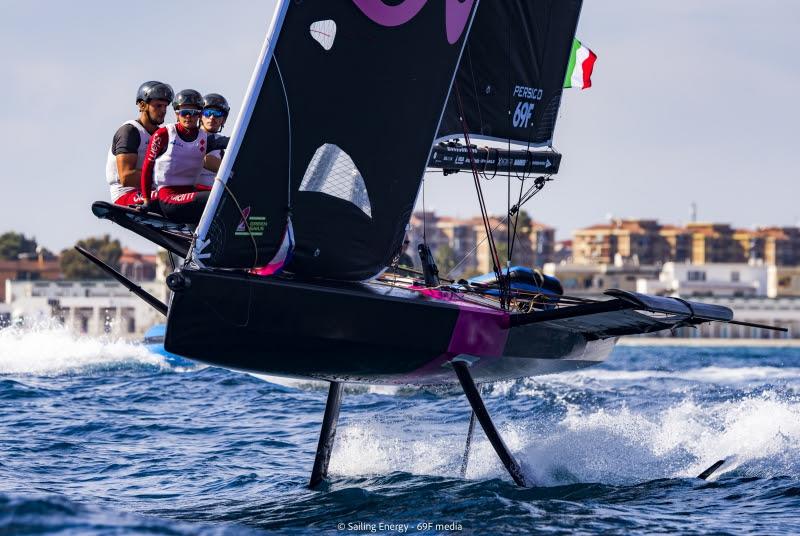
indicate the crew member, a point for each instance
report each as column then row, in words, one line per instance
column 128, row 148
column 215, row 113
column 174, row 160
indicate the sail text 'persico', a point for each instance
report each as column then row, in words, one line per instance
column 512, row 71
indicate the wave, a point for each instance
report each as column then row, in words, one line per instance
column 758, row 436
column 594, row 376
column 53, row 514
column 50, row 349
column 712, row 374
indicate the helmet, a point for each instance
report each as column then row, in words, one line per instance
column 215, row 100
column 154, row 90
column 187, row 97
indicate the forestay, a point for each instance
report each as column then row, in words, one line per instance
column 335, row 135
column 512, row 71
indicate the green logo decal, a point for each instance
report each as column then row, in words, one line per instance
column 256, row 225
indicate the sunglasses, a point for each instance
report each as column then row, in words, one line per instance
column 188, row 113
column 208, row 112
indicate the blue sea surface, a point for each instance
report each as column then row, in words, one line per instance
column 105, row 437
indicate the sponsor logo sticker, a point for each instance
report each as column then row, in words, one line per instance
column 256, row 224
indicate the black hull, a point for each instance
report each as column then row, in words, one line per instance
column 363, row 333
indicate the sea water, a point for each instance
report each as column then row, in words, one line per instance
column 103, row 437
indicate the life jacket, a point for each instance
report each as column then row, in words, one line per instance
column 181, row 163
column 112, row 172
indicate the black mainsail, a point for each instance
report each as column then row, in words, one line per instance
column 335, row 135
column 512, row 71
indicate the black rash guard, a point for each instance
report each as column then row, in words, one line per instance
column 126, row 140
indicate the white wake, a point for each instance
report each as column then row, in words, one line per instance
column 51, row 349
column 758, row 435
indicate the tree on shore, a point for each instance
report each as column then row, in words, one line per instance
column 445, row 259
column 13, row 244
column 76, row 266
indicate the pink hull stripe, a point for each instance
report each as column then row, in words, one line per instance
column 479, row 331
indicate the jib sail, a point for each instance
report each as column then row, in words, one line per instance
column 512, row 71
column 335, row 135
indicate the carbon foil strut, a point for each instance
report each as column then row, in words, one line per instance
column 468, row 446
column 475, row 400
column 326, row 435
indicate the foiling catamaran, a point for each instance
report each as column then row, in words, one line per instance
column 350, row 102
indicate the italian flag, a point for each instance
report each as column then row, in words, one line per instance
column 581, row 63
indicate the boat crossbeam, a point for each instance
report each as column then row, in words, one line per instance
column 479, row 409
column 326, row 435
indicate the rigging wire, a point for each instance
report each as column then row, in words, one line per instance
column 516, row 221
column 474, row 86
column 289, row 124
column 476, row 179
column 475, row 248
column 424, row 215
column 508, row 178
column 539, row 183
column 246, row 223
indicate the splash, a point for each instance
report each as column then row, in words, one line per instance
column 50, row 349
column 757, row 435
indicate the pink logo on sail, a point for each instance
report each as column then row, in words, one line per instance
column 242, row 227
column 456, row 14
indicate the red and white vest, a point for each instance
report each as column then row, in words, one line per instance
column 182, row 162
column 112, row 172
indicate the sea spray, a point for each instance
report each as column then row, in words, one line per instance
column 50, row 349
column 758, row 435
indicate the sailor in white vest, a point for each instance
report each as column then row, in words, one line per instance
column 128, row 148
column 215, row 113
column 174, row 159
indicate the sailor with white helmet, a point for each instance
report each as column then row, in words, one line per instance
column 175, row 158
column 215, row 113
column 128, row 148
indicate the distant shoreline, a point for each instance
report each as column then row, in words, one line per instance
column 696, row 342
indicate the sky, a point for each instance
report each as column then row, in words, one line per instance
column 692, row 101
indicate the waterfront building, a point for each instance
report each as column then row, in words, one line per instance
column 464, row 241
column 28, row 270
column 780, row 312
column 634, row 240
column 718, row 242
column 587, row 280
column 562, row 252
column 776, row 245
column 717, row 279
column 787, row 281
column 88, row 307
column 648, row 242
column 137, row 266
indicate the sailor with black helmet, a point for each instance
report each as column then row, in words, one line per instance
column 175, row 158
column 215, row 113
column 128, row 148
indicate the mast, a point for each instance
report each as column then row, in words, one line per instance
column 239, row 129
